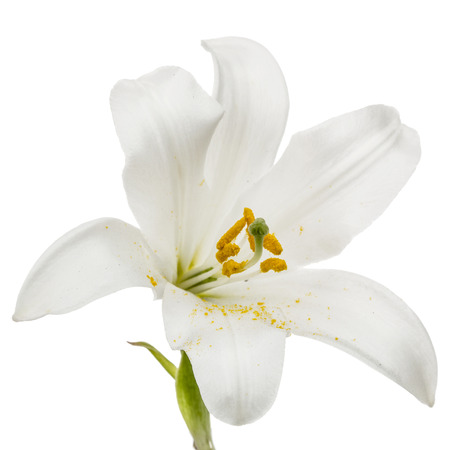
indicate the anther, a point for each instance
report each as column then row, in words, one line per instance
column 275, row 264
column 231, row 234
column 226, row 252
column 272, row 244
column 249, row 216
column 231, row 267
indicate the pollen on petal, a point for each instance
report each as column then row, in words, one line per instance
column 227, row 251
column 231, row 234
column 231, row 267
column 275, row 264
column 272, row 244
column 152, row 280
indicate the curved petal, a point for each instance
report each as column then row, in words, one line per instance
column 334, row 180
column 251, row 88
column 165, row 121
column 349, row 312
column 237, row 361
column 89, row 262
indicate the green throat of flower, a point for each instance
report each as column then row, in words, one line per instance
column 202, row 278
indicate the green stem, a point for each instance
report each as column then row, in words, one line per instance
column 191, row 405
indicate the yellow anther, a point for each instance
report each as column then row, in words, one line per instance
column 226, row 252
column 231, row 267
column 272, row 244
column 275, row 264
column 249, row 216
column 231, row 234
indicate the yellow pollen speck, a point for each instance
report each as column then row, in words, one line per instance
column 226, row 252
column 153, row 281
column 336, row 339
column 301, row 230
column 106, row 227
column 231, row 267
column 202, row 183
column 297, row 301
column 260, row 303
column 275, row 264
column 273, row 321
column 272, row 244
column 231, row 234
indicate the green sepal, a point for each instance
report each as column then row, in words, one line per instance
column 170, row 367
column 191, row 405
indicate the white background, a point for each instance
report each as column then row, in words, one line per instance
column 71, row 381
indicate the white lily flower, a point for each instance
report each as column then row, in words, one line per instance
column 194, row 164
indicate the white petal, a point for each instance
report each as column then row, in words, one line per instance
column 237, row 361
column 349, row 312
column 334, row 180
column 165, row 121
column 89, row 262
column 251, row 88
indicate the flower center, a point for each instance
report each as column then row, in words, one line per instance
column 201, row 279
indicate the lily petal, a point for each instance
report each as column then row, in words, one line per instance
column 165, row 121
column 334, row 180
column 237, row 361
column 350, row 312
column 89, row 262
column 251, row 88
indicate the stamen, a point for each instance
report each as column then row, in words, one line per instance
column 231, row 267
column 249, row 218
column 227, row 251
column 275, row 264
column 272, row 244
column 231, row 234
